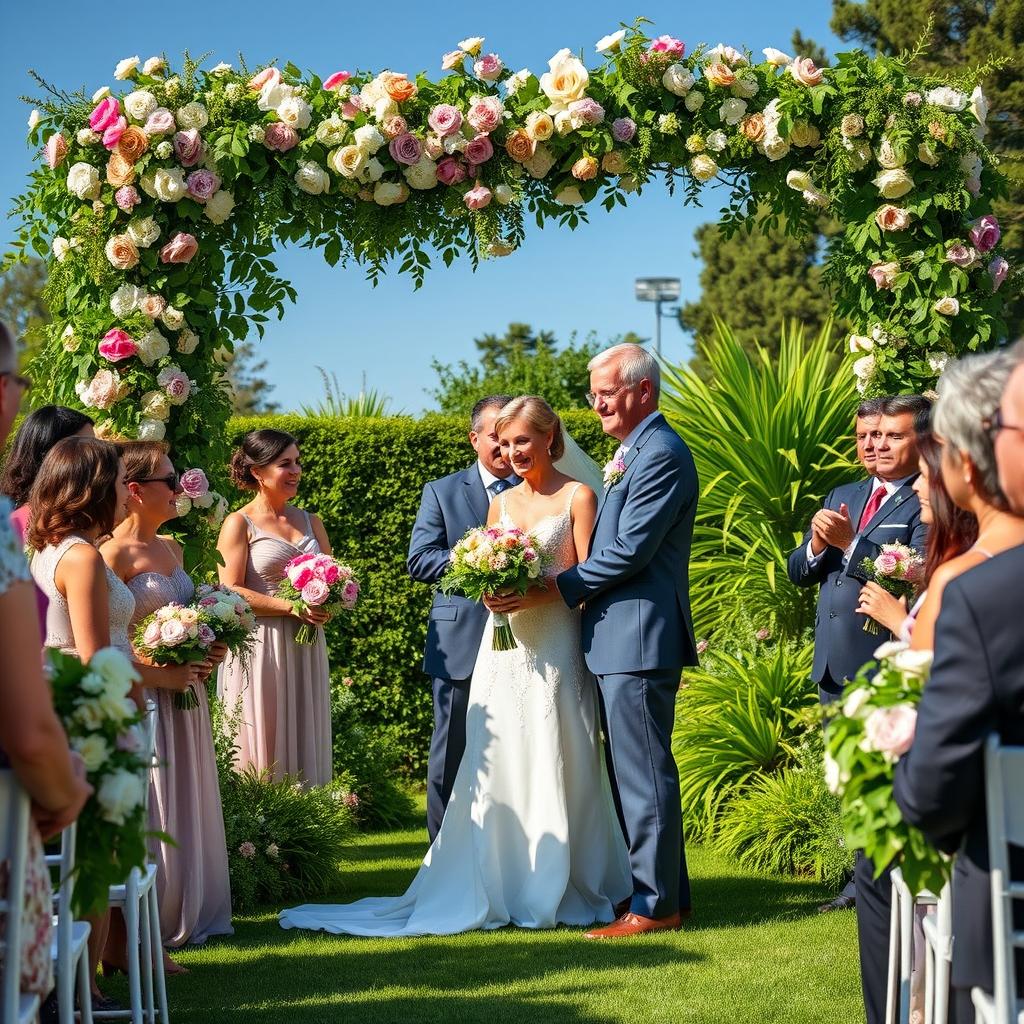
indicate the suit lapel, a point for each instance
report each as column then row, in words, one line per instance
column 628, row 460
column 859, row 500
column 476, row 496
column 894, row 507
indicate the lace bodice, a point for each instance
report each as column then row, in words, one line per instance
column 153, row 590
column 553, row 533
column 13, row 567
column 58, row 619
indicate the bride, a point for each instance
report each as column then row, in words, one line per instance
column 530, row 836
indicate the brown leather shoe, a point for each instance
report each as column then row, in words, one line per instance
column 633, row 924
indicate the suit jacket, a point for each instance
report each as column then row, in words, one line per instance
column 449, row 507
column 636, row 580
column 976, row 688
column 841, row 645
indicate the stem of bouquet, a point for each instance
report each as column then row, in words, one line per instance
column 870, row 626
column 186, row 700
column 503, row 640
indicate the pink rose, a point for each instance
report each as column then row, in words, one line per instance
column 488, row 67
column 127, row 198
column 105, row 115
column 176, row 385
column 450, row 171
column 117, row 345
column 206, row 635
column 883, row 274
column 202, row 184
column 331, row 574
column 702, row 646
column 351, row 107
column 194, row 483
column 961, row 255
column 350, row 592
column 160, row 122
column 152, row 305
column 674, row 48
column 280, row 137
column 892, row 218
column 406, row 149
column 112, row 135
column 985, row 233
column 257, row 81
column 587, row 110
column 623, row 129
column 890, row 731
column 151, row 636
column 485, row 114
column 477, row 198
column 172, row 633
column 339, row 78
column 55, row 150
column 394, row 126
column 479, row 150
column 804, row 70
column 997, row 270
column 180, row 249
column 445, row 119
column 188, row 147
column 315, row 593
column 301, row 577
column 886, row 563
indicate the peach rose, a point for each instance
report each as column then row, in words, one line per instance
column 257, row 82
column 805, row 71
column 55, row 150
column 520, row 146
column 720, row 74
column 119, row 170
column 752, row 127
column 937, row 130
column 132, row 144
column 398, row 87
column 585, row 169
column 892, row 218
column 180, row 249
column 121, row 252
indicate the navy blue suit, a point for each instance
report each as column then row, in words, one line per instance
column 449, row 507
column 976, row 688
column 637, row 637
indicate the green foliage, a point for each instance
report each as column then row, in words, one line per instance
column 336, row 403
column 23, row 308
column 764, row 435
column 250, row 390
column 364, row 478
column 739, row 718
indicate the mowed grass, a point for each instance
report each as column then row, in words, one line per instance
column 755, row 951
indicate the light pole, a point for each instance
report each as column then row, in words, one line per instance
column 657, row 290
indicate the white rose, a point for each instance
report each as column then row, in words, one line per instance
column 515, row 82
column 119, row 794
column 716, row 141
column 192, row 115
column 703, row 167
column 387, row 193
column 373, row 171
column 893, row 184
column 979, row 105
column 183, row 504
column 569, row 196
column 799, row 180
column 422, row 174
column 368, row 139
column 947, row 306
column 694, row 100
column 312, row 178
column 677, row 79
column 155, row 405
column 125, row 300
column 125, row 68
column 295, row 112
column 116, row 669
column 864, row 367
column 169, row 184
column 151, row 430
column 889, row 648
column 889, row 156
column 927, row 154
column 727, row 54
column 84, row 181
column 88, row 715
column 172, row 318
column 563, row 122
column 937, row 361
column 861, row 343
column 331, row 132
column 220, row 69
column 611, row 43
column 565, row 81
column 94, row 751
column 204, row 500
column 832, row 774
column 152, row 346
column 101, row 93
column 140, row 104
column 776, row 57
column 219, row 206
column 855, row 702
column 223, row 356
column 348, row 161
column 503, row 194
column 946, row 98
column 188, row 342
column 913, row 663
column 61, row 247
column 68, row 339
column 472, row 45
column 774, row 146
column 153, row 65
column 87, row 137
column 33, row 119
column 144, row 231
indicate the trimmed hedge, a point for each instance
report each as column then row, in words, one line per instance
column 364, row 478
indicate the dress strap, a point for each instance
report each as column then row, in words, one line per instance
column 309, row 525
column 501, row 504
column 250, row 525
column 572, row 494
column 982, row 551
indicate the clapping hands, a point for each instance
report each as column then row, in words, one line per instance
column 832, row 529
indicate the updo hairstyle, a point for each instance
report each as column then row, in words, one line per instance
column 540, row 416
column 258, row 448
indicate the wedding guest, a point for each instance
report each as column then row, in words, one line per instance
column 192, row 882
column 285, row 691
column 976, row 688
column 448, row 508
column 32, row 742
column 885, row 509
column 78, row 496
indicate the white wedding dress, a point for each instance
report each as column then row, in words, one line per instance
column 530, row 836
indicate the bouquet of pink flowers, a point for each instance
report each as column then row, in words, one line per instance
column 175, row 634
column 897, row 569
column 494, row 560
column 317, row 581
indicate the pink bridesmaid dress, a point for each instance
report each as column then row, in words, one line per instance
column 285, row 693
column 193, row 887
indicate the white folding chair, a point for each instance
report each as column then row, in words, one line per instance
column 137, row 901
column 901, row 947
column 70, row 947
column 938, row 937
column 14, row 821
column 1004, row 801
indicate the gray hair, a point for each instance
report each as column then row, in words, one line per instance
column 489, row 402
column 634, row 364
column 870, row 408
column 969, row 390
column 900, row 405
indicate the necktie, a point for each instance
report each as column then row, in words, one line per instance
column 498, row 486
column 878, row 495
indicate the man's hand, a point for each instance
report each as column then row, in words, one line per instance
column 533, row 598
column 834, row 528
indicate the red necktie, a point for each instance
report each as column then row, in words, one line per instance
column 878, row 495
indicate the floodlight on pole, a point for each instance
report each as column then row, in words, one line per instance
column 657, row 290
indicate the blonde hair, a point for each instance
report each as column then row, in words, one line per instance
column 539, row 415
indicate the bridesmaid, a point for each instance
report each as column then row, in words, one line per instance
column 285, row 694
column 192, row 876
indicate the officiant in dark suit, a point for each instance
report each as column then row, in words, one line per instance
column 448, row 508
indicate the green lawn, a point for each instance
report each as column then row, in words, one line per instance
column 756, row 951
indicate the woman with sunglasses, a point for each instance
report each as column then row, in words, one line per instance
column 192, row 875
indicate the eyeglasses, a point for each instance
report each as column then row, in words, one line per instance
column 592, row 396
column 171, row 480
column 23, row 382
column 994, row 423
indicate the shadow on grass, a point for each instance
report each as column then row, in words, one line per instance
column 730, row 901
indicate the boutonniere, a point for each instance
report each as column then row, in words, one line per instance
column 613, row 472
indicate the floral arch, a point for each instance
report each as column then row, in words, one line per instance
column 159, row 206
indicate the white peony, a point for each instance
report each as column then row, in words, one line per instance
column 946, row 98
column 84, row 181
column 422, row 174
column 169, row 184
column 152, row 346
column 151, row 430
column 694, row 100
column 188, row 342
column 126, row 68
column 144, row 231
column 219, row 206
column 368, row 139
column 295, row 112
column 140, row 104
column 192, row 115
column 312, row 178
column 120, row 793
column 125, row 300
column 677, row 79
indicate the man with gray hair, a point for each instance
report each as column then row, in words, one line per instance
column 448, row 508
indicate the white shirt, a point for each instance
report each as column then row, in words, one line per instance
column 632, row 436
column 488, row 479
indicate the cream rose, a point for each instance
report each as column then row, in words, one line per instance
column 946, row 98
column 569, row 196
column 677, row 79
column 541, row 162
column 84, row 181
column 219, row 206
column 188, row 342
column 152, row 347
column 565, row 82
column 890, row 156
column 144, row 231
column 331, row 132
column 694, row 100
column 348, row 161
column 800, row 181
column 539, row 126
column 312, row 178
column 295, row 112
column 368, row 139
column 121, row 252
column 947, row 306
column 892, row 218
column 893, row 184
column 172, row 318
column 422, row 174
column 733, row 110
column 388, row 193
column 169, row 184
column 192, row 115
column 155, row 405
column 140, row 104
column 804, row 135
column 927, row 154
column 703, row 167
column 851, row 126
column 126, row 68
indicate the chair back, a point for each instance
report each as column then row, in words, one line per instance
column 14, row 824
column 148, row 727
column 65, row 864
column 1004, row 798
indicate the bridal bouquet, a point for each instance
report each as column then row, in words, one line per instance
column 897, row 568
column 230, row 618
column 317, row 581
column 494, row 560
column 175, row 634
column 869, row 731
column 103, row 726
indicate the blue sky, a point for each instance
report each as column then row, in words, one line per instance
column 563, row 281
